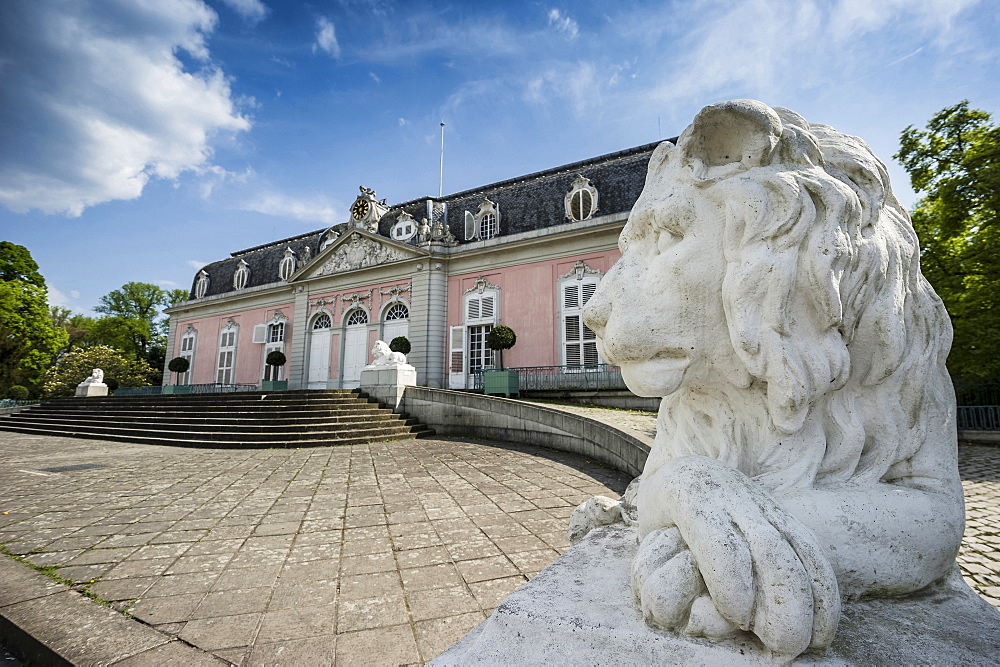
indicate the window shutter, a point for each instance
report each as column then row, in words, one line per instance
column 487, row 308
column 588, row 291
column 571, row 297
column 260, row 333
column 473, row 310
column 470, row 226
column 456, row 378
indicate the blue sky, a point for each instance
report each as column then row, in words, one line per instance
column 140, row 139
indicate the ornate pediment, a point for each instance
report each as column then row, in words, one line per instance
column 356, row 250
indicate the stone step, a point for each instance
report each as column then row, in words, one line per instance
column 382, row 431
column 207, row 426
column 247, row 419
column 231, row 444
column 223, row 420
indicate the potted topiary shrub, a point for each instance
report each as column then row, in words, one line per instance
column 500, row 381
column 400, row 344
column 178, row 365
column 18, row 393
column 275, row 359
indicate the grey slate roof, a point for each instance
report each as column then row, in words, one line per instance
column 526, row 203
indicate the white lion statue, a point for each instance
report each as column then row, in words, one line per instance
column 383, row 356
column 96, row 377
column 770, row 290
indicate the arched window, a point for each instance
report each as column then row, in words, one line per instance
column 287, row 265
column 357, row 316
column 242, row 275
column 581, row 200
column 201, row 285
column 488, row 226
column 397, row 311
column 322, row 321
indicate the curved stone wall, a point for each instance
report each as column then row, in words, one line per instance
column 488, row 417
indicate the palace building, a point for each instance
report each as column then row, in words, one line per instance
column 442, row 271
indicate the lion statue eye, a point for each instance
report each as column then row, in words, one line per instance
column 666, row 239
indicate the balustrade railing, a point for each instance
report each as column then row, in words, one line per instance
column 570, row 378
column 208, row 388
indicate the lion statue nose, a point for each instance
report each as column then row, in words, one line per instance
column 596, row 313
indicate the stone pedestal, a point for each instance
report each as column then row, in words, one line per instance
column 580, row 611
column 91, row 389
column 386, row 382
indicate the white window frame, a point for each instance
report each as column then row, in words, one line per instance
column 286, row 267
column 225, row 370
column 485, row 224
column 242, row 275
column 201, row 284
column 275, row 335
column 189, row 341
column 480, row 313
column 579, row 186
column 574, row 293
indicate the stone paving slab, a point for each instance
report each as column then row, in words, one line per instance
column 381, row 553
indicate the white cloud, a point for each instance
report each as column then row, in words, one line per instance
column 252, row 11
column 167, row 283
column 577, row 83
column 59, row 298
column 97, row 103
column 374, row 77
column 196, row 264
column 563, row 23
column 797, row 44
column 313, row 209
column 403, row 122
column 326, row 37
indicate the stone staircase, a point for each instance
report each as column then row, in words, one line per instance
column 303, row 418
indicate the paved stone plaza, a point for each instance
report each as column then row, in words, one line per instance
column 390, row 551
column 382, row 553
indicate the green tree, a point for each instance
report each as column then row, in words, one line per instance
column 955, row 164
column 132, row 312
column 28, row 340
column 76, row 366
column 79, row 328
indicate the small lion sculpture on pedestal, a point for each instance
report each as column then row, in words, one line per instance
column 383, row 356
column 770, row 290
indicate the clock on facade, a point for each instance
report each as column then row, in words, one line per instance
column 360, row 208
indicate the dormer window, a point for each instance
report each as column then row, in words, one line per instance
column 581, row 200
column 328, row 237
column 242, row 275
column 404, row 229
column 201, row 285
column 485, row 224
column 287, row 265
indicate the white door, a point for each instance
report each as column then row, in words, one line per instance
column 395, row 328
column 355, row 355
column 319, row 352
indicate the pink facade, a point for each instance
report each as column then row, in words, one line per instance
column 529, row 303
column 249, row 356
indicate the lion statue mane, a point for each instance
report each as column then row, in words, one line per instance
column 770, row 290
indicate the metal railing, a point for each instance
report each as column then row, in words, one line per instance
column 13, row 403
column 569, row 378
column 977, row 393
column 208, row 388
column 978, row 417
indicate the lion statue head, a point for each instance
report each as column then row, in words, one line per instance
column 769, row 289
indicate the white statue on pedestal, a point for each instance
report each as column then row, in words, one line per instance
column 383, row 356
column 769, row 289
column 96, row 377
column 93, row 385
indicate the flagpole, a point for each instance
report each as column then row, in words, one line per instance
column 441, row 168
